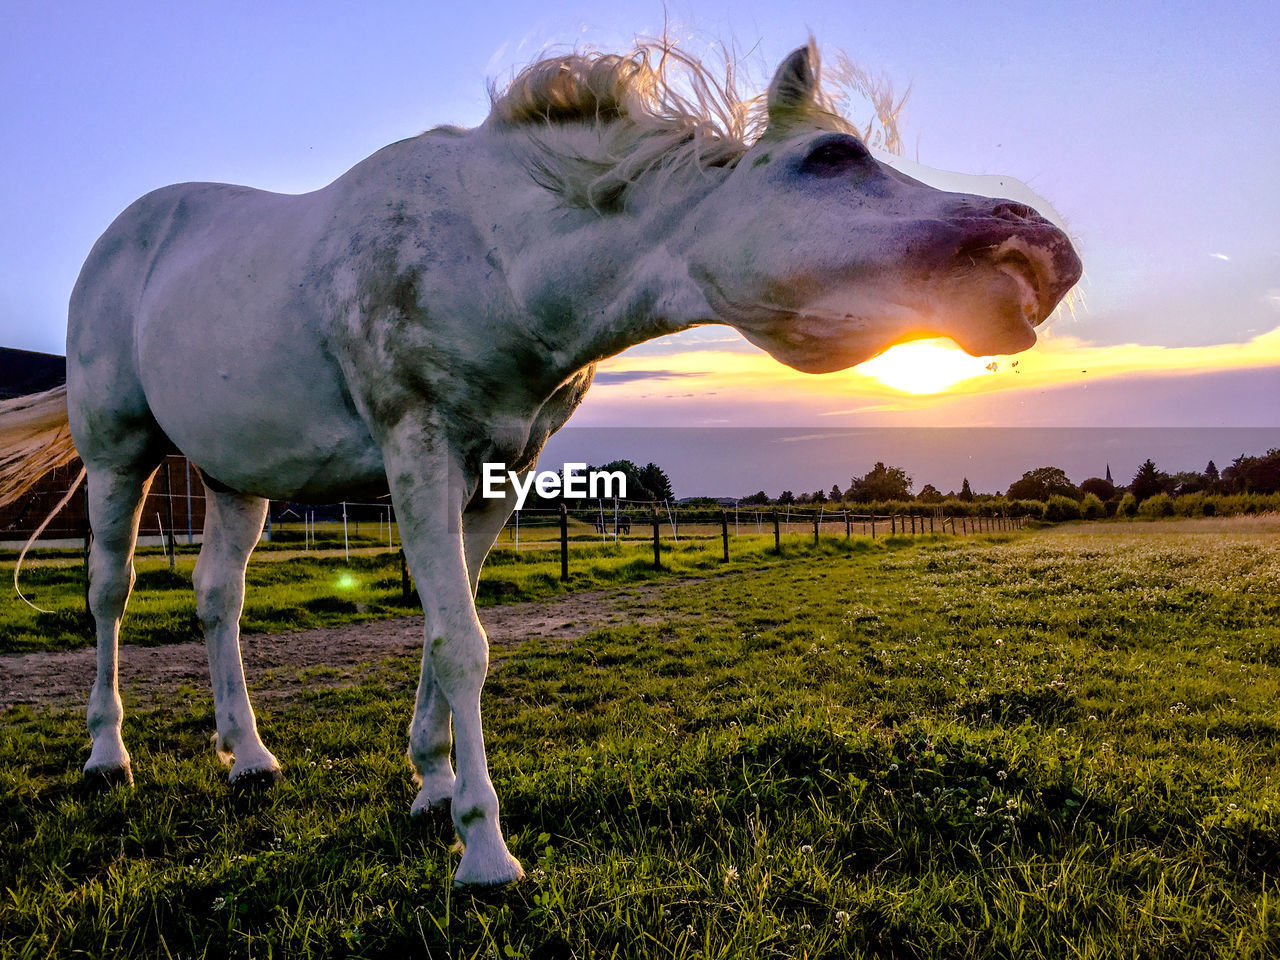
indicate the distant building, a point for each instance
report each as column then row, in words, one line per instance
column 23, row 372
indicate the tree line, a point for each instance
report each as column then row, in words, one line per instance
column 1049, row 492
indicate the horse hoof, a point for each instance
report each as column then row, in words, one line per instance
column 107, row 778
column 256, row 781
column 479, row 878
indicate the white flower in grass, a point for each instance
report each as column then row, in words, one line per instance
column 842, row 917
column 730, row 875
column 806, row 849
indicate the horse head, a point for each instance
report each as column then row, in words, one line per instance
column 824, row 256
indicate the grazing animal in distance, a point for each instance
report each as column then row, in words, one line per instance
column 443, row 304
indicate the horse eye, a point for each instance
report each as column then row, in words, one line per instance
column 834, row 156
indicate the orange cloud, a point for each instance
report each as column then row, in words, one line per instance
column 912, row 376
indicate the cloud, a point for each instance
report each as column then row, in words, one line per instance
column 613, row 377
column 1147, row 383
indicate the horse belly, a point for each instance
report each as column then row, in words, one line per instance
column 241, row 383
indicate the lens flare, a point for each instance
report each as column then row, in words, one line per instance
column 925, row 366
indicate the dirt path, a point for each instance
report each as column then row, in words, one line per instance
column 147, row 673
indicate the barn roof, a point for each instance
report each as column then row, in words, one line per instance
column 25, row 371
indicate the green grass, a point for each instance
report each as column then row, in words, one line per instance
column 287, row 589
column 1062, row 744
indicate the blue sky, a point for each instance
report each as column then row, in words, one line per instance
column 1151, row 127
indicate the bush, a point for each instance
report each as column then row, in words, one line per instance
column 1190, row 505
column 1128, row 506
column 1061, row 508
column 1152, row 508
column 1092, row 508
column 1029, row 508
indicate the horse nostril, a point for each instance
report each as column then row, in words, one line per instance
column 1014, row 211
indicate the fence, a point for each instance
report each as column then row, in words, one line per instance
column 632, row 521
column 330, row 528
column 174, row 508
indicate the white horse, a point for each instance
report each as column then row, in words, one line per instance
column 444, row 303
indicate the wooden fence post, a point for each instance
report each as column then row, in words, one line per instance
column 873, row 526
column 564, row 542
column 815, row 528
column 657, row 550
column 848, row 530
column 724, row 532
column 777, row 534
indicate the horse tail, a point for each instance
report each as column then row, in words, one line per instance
column 35, row 437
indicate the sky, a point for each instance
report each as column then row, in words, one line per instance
column 1151, row 128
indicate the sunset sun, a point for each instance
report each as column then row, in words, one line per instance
column 925, row 366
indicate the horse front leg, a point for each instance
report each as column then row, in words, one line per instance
column 428, row 491
column 431, row 732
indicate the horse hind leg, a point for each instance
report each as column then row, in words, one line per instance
column 116, row 495
column 232, row 526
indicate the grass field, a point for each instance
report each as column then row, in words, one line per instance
column 289, row 588
column 1055, row 744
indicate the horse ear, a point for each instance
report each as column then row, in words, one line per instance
column 793, row 89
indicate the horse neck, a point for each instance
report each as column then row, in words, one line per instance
column 592, row 284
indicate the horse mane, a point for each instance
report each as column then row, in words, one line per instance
column 656, row 108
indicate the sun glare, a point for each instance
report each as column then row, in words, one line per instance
column 925, row 366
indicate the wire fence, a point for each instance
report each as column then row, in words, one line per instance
column 170, row 512
column 621, row 521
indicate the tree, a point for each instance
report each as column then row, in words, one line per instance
column 636, row 489
column 1211, row 473
column 1103, row 489
column 930, row 494
column 966, row 493
column 1184, row 482
column 818, row 496
column 786, row 497
column 1255, row 474
column 835, row 496
column 760, row 498
column 1043, row 483
column 880, row 483
column 656, row 482
column 1147, row 482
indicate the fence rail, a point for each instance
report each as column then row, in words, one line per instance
column 546, row 529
